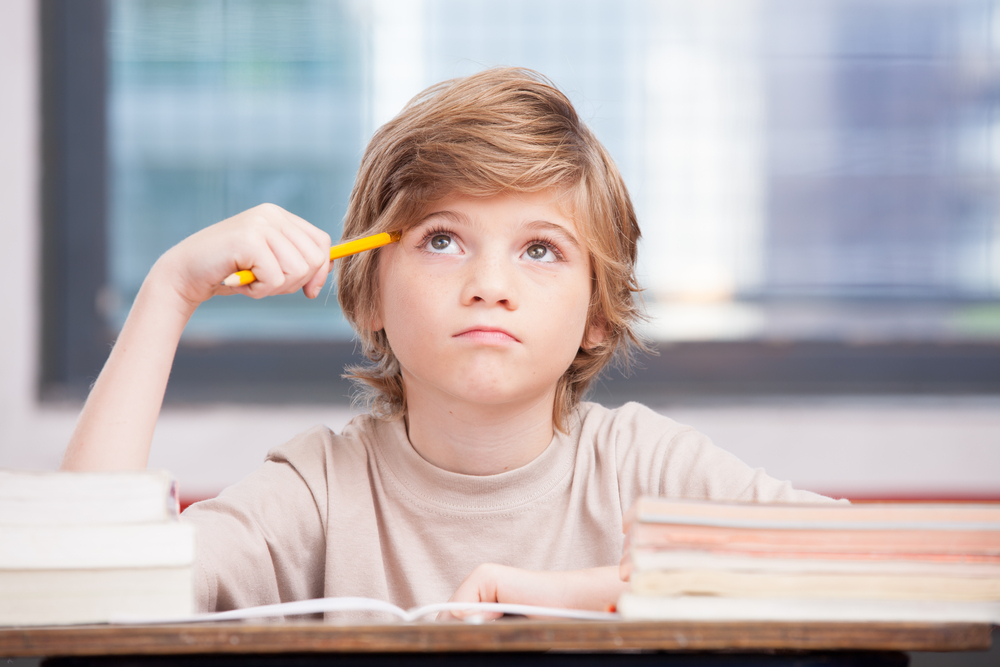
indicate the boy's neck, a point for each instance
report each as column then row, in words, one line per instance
column 477, row 439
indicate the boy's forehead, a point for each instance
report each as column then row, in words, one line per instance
column 558, row 202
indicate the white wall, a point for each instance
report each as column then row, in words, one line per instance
column 882, row 446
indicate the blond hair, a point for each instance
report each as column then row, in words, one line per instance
column 503, row 130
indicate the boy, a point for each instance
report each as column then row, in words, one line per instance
column 479, row 475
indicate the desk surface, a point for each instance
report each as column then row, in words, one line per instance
column 502, row 635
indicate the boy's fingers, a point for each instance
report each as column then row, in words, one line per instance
column 268, row 274
column 479, row 586
column 277, row 265
column 318, row 236
column 315, row 285
column 295, row 267
column 317, row 256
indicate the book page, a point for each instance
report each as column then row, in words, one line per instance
column 335, row 604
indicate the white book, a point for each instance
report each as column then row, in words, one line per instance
column 710, row 608
column 55, row 498
column 59, row 597
column 84, row 547
column 47, row 547
column 672, row 583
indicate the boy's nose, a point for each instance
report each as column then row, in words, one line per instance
column 490, row 281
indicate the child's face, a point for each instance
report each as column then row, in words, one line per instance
column 485, row 301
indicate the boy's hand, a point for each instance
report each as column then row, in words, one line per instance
column 284, row 252
column 596, row 589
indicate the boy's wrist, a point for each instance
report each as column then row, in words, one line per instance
column 158, row 289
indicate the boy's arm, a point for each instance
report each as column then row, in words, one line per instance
column 115, row 429
column 596, row 589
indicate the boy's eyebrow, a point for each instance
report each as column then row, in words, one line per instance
column 558, row 229
column 461, row 219
column 455, row 217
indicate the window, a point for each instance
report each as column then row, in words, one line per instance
column 816, row 182
column 213, row 108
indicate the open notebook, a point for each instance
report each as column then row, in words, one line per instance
column 320, row 605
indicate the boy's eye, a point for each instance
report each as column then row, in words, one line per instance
column 441, row 243
column 540, row 253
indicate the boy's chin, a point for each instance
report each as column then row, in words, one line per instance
column 486, row 386
column 492, row 398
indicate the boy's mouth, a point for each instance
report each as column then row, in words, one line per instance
column 487, row 335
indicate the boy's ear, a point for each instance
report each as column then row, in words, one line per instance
column 595, row 334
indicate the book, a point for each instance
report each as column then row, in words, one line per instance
column 83, row 547
column 823, row 585
column 710, row 608
column 36, row 498
column 66, row 597
column 794, row 516
column 743, row 561
column 360, row 604
column 921, row 529
column 816, row 539
column 653, row 558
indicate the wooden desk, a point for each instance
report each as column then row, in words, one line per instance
column 514, row 635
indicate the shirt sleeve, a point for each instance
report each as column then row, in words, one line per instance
column 657, row 456
column 263, row 540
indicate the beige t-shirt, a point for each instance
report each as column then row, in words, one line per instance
column 362, row 513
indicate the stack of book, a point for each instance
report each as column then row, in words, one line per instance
column 89, row 547
column 695, row 560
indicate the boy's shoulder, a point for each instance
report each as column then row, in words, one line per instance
column 636, row 432
column 317, row 445
column 631, row 420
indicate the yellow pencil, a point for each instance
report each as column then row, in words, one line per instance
column 246, row 276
